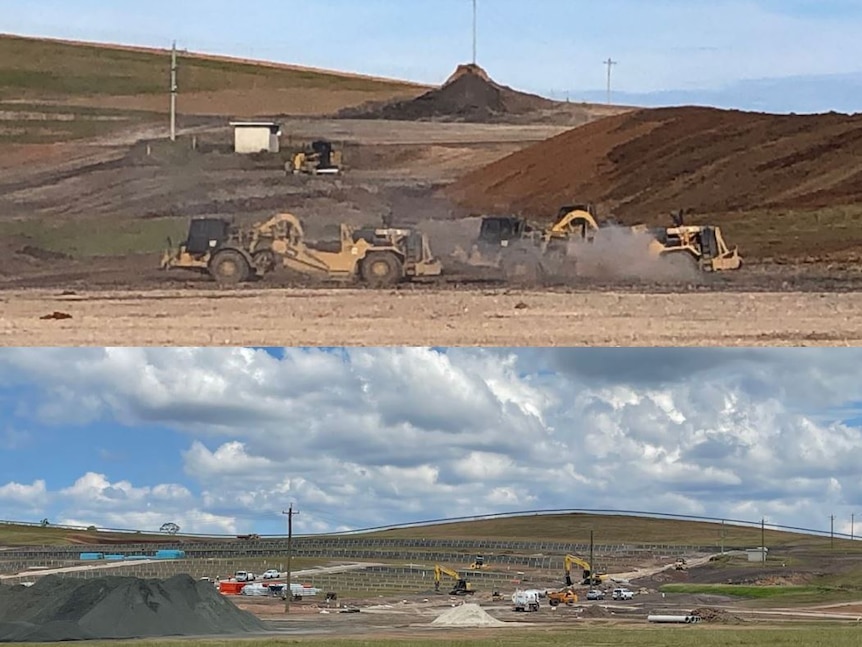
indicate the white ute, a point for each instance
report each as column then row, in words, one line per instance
column 623, row 594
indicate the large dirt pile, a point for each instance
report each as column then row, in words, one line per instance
column 643, row 164
column 57, row 608
column 719, row 616
column 467, row 615
column 468, row 94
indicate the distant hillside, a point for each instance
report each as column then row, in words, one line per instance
column 131, row 78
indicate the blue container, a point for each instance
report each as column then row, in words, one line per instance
column 87, row 557
column 170, row 554
column 115, row 558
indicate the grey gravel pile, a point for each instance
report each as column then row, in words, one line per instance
column 62, row 608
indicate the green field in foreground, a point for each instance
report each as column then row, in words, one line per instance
column 592, row 635
column 743, row 591
column 99, row 236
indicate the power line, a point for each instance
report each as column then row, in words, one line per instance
column 610, row 63
column 475, row 29
column 174, row 92
column 290, row 512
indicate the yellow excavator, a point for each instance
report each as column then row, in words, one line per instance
column 379, row 257
column 588, row 577
column 461, row 586
column 478, row 563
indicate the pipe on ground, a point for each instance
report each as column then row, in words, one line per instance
column 689, row 619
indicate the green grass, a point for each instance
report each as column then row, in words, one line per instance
column 99, row 236
column 790, row 235
column 741, row 590
column 32, row 67
column 590, row 635
column 65, row 123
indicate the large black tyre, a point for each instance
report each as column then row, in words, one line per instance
column 229, row 267
column 381, row 269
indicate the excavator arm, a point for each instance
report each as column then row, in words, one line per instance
column 588, row 576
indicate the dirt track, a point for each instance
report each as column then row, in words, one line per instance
column 429, row 317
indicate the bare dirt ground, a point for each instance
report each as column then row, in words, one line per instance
column 432, row 316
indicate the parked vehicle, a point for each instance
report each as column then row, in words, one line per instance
column 525, row 600
column 244, row 576
column 623, row 594
column 271, row 574
column 595, row 594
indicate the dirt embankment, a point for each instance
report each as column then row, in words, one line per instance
column 643, row 164
column 470, row 95
column 60, row 609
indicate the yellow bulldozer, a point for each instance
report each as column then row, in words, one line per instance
column 318, row 158
column 378, row 257
column 460, row 587
column 524, row 249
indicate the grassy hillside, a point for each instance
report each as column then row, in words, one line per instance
column 608, row 529
column 52, row 91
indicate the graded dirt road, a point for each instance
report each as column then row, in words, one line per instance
column 433, row 316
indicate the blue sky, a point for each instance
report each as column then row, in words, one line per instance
column 775, row 55
column 223, row 439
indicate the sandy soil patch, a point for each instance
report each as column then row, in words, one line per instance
column 427, row 317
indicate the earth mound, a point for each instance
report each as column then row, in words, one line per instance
column 469, row 94
column 59, row 609
column 641, row 165
column 711, row 614
column 467, row 615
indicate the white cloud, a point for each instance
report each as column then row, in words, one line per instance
column 373, row 436
column 24, row 497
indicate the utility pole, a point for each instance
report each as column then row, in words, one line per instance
column 288, row 593
column 475, row 29
column 610, row 63
column 832, row 531
column 852, row 520
column 592, row 566
column 722, row 536
column 763, row 539
column 174, row 92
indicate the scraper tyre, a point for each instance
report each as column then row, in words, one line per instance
column 229, row 267
column 381, row 269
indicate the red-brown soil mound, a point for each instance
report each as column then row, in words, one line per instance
column 469, row 94
column 643, row 164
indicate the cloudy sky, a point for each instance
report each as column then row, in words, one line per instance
column 223, row 440
column 775, row 55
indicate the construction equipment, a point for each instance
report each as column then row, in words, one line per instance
column 701, row 246
column 523, row 249
column 379, row 257
column 318, row 158
column 525, row 600
column 461, row 586
column 564, row 596
column 588, row 577
column 680, row 565
column 478, row 563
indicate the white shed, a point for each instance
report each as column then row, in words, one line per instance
column 256, row 136
column 757, row 554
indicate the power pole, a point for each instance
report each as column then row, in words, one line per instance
column 852, row 520
column 174, row 92
column 288, row 593
column 610, row 63
column 592, row 566
column 475, row 29
column 763, row 539
column 721, row 535
column 832, row 531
